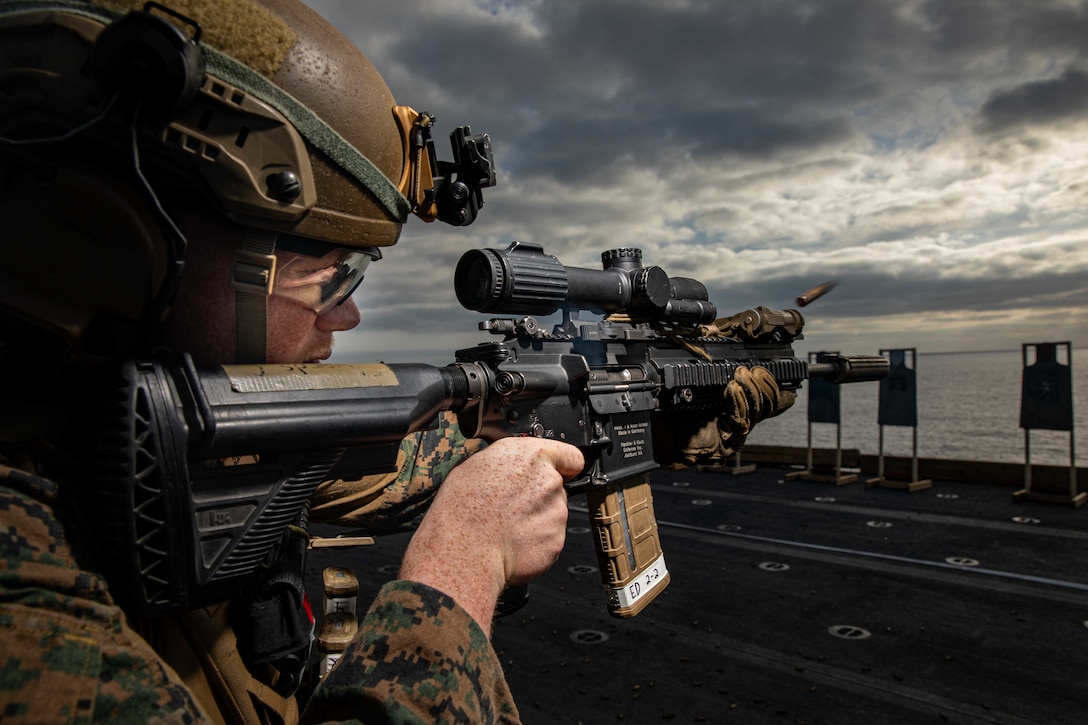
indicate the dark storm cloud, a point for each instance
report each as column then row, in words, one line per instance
column 603, row 77
column 595, row 150
column 602, row 81
column 970, row 29
column 931, row 154
column 1038, row 103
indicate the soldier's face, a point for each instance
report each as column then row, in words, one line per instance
column 298, row 334
column 203, row 320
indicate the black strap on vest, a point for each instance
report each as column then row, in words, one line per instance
column 272, row 619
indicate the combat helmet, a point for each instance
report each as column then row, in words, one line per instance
column 113, row 110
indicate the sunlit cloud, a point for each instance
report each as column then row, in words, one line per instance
column 932, row 156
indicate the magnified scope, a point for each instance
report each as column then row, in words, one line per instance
column 523, row 280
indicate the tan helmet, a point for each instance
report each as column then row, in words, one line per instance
column 113, row 110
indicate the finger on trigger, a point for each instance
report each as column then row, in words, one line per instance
column 568, row 460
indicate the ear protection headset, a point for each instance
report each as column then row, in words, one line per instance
column 145, row 54
column 92, row 258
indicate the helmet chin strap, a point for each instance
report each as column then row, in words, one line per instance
column 252, row 279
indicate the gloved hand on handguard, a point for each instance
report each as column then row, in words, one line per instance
column 753, row 395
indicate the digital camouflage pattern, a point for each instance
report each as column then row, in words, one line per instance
column 418, row 658
column 69, row 656
column 66, row 653
column 395, row 501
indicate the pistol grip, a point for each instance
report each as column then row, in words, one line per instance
column 628, row 548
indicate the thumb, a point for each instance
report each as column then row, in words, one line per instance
column 565, row 458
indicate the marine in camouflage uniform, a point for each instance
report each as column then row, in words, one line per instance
column 69, row 652
column 252, row 124
column 71, row 655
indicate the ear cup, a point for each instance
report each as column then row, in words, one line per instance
column 90, row 259
column 147, row 56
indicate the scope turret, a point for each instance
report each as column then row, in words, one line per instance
column 523, row 280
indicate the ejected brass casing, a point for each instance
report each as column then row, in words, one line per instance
column 816, row 292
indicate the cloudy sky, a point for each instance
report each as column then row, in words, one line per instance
column 932, row 156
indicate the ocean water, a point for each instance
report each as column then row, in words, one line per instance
column 968, row 409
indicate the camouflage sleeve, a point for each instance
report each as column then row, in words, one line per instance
column 418, row 658
column 68, row 654
column 395, row 501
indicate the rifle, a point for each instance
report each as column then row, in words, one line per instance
column 207, row 467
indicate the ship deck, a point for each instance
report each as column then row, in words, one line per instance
column 801, row 601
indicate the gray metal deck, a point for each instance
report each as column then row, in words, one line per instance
column 805, row 602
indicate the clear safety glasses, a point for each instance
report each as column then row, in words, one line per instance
column 322, row 283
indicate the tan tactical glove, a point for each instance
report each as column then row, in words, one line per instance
column 752, row 396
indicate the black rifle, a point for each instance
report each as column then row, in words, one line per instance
column 214, row 464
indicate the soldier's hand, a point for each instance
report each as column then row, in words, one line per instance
column 753, row 395
column 499, row 518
